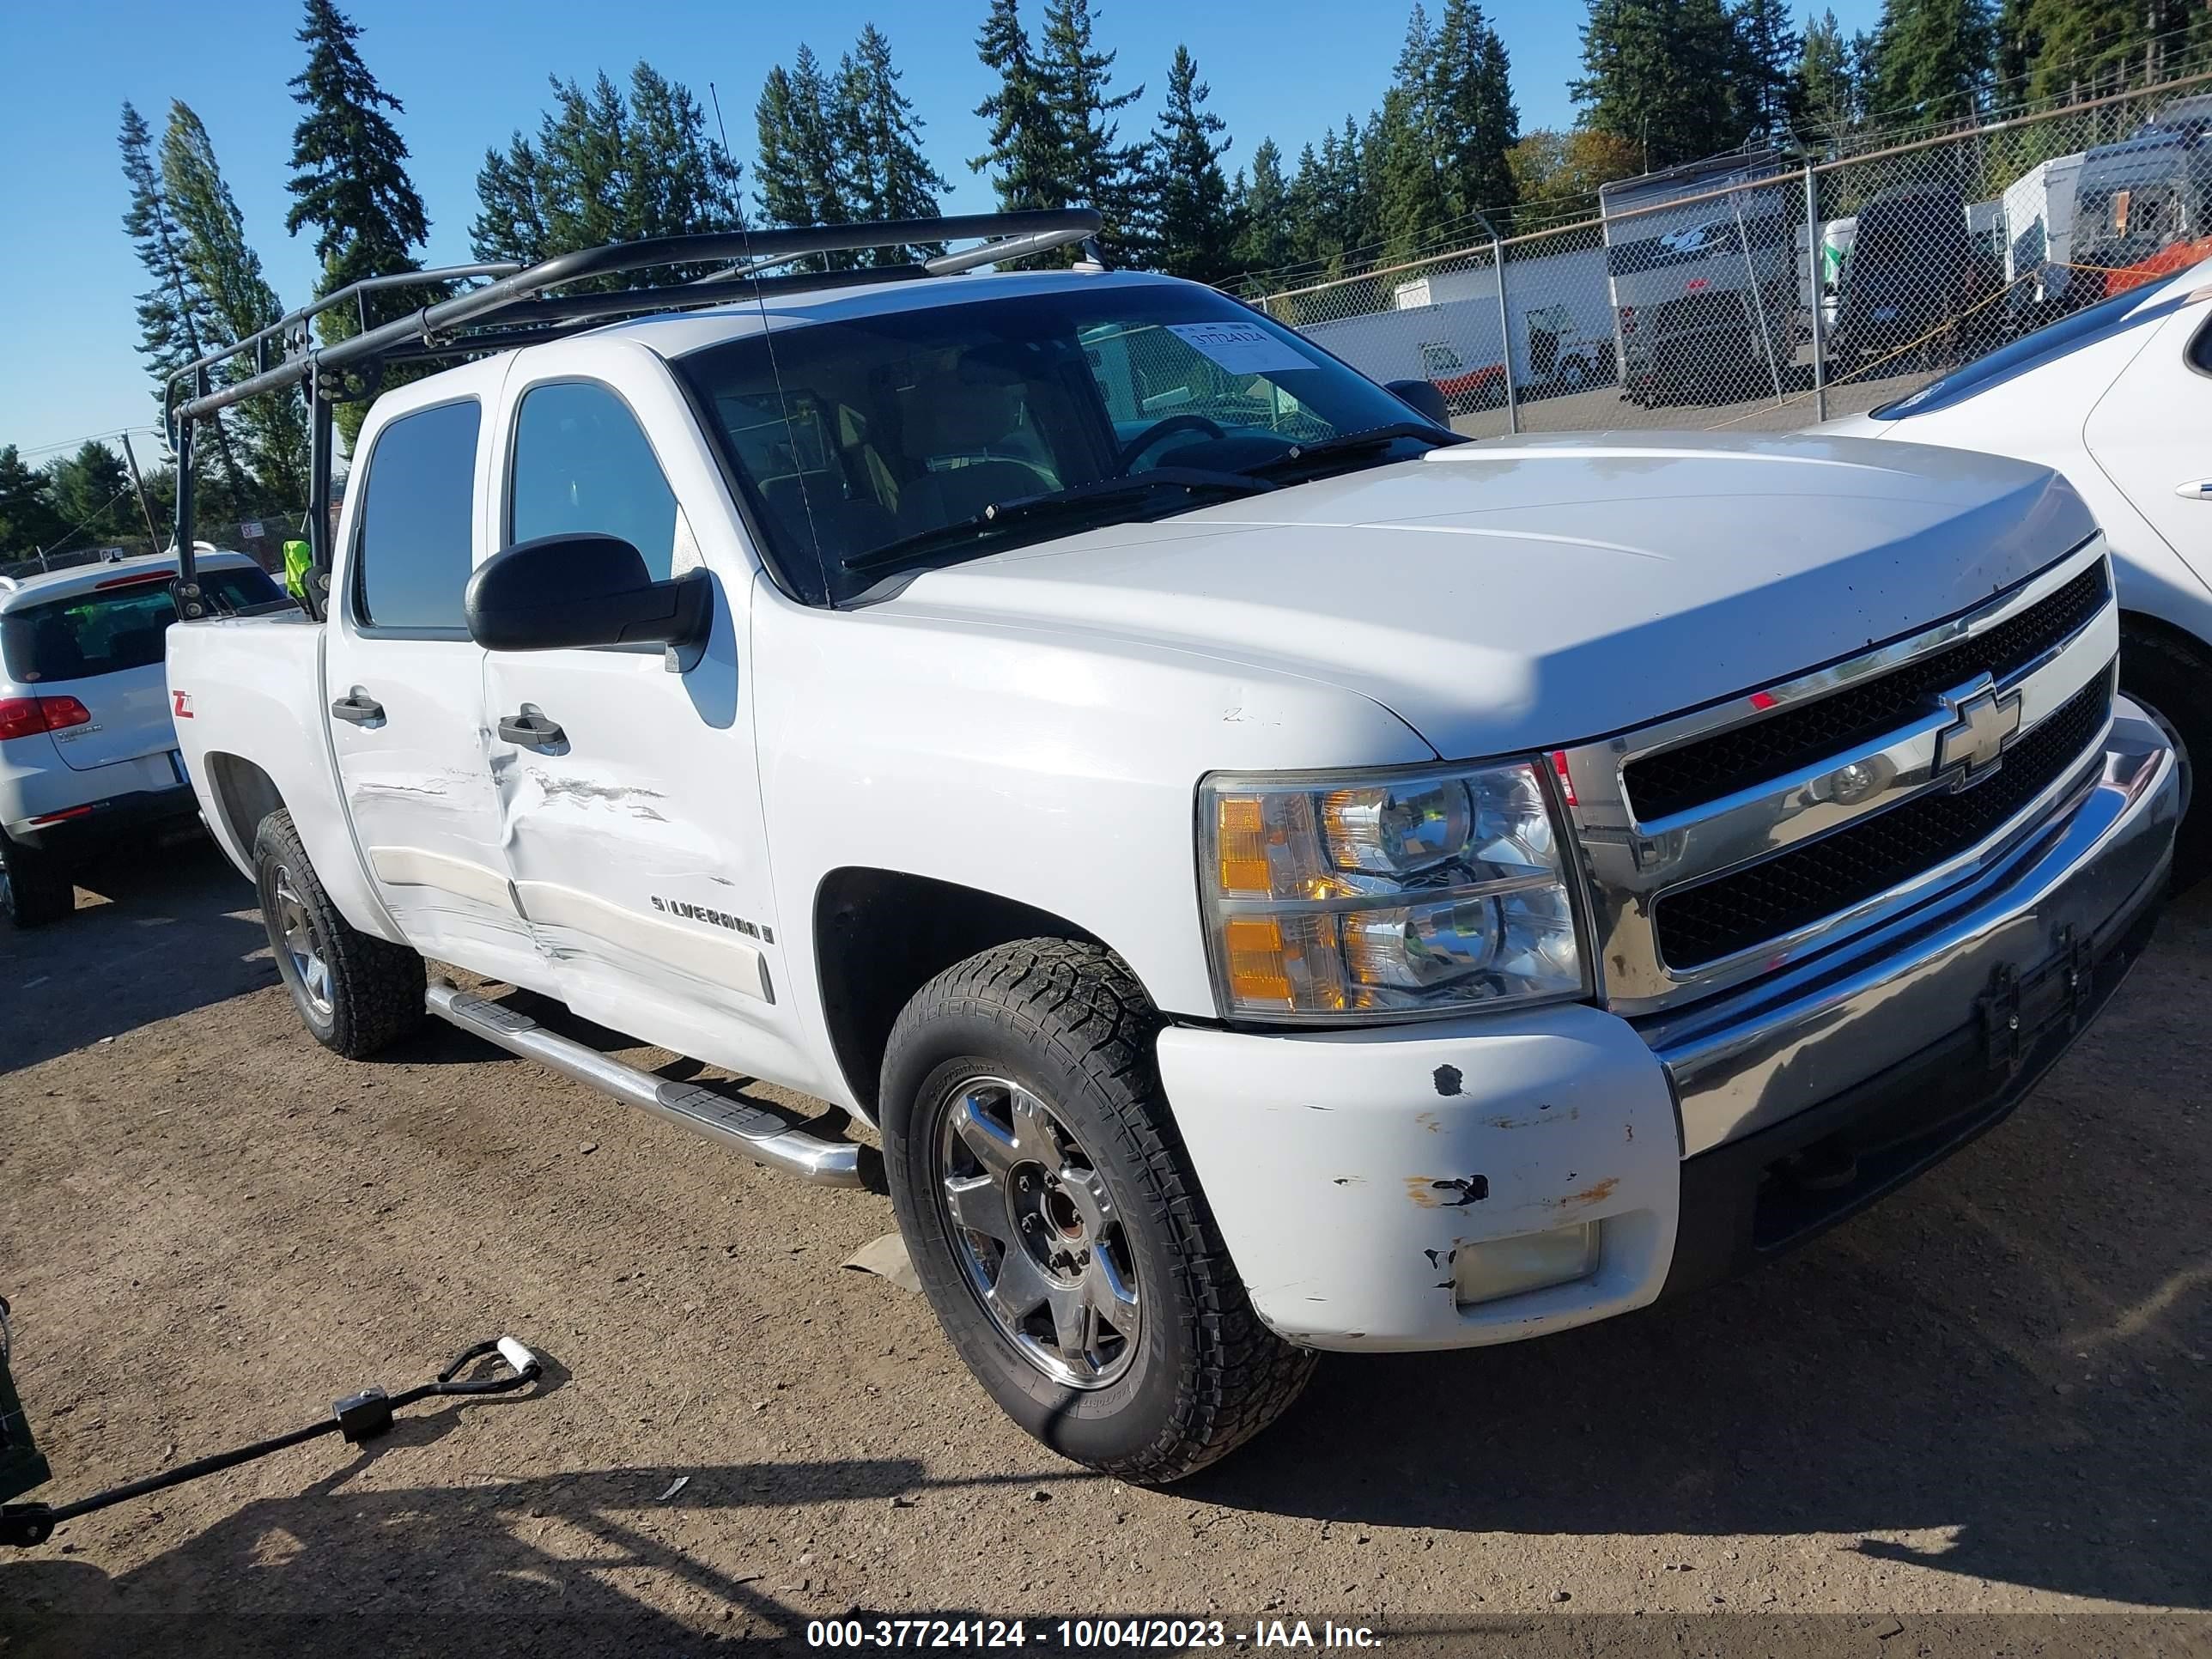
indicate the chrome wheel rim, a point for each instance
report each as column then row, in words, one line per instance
column 1037, row 1235
column 296, row 934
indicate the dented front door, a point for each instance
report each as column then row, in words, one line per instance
column 629, row 796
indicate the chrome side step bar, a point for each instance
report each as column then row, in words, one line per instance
column 759, row 1134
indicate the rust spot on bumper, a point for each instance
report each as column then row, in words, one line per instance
column 1596, row 1193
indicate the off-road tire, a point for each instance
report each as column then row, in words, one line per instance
column 1070, row 1023
column 376, row 987
column 2172, row 679
column 34, row 886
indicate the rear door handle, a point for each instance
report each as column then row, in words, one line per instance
column 531, row 730
column 358, row 709
column 2198, row 490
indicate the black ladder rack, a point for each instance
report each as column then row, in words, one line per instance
column 515, row 305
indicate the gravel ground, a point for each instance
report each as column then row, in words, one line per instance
column 1972, row 1419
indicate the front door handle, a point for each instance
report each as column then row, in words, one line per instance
column 531, row 730
column 358, row 709
column 2198, row 489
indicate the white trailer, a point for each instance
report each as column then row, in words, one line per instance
column 2039, row 221
column 1698, row 232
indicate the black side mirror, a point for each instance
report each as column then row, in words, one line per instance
column 559, row 593
column 1423, row 398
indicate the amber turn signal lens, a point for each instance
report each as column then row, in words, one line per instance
column 1243, row 846
column 1257, row 973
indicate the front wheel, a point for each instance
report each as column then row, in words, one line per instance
column 354, row 992
column 1056, row 1221
column 2172, row 681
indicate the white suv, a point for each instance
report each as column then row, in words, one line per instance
column 87, row 750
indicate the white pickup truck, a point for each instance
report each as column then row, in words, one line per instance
column 1276, row 877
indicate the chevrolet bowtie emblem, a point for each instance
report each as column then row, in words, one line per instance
column 1983, row 722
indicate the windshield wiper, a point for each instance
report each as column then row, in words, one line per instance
column 1081, row 500
column 1298, row 457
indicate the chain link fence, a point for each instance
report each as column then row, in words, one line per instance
column 1760, row 292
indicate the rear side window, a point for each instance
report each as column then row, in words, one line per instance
column 412, row 551
column 582, row 465
column 112, row 629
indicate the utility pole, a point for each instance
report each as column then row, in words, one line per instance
column 138, row 483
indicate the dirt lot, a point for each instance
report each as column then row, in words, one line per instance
column 1977, row 1419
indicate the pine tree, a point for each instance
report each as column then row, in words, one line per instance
column 91, row 493
column 510, row 222
column 28, row 523
column 222, row 265
column 584, row 149
column 1768, row 51
column 176, row 325
column 1827, row 97
column 603, row 169
column 349, row 183
column 1190, row 229
column 350, row 180
column 2079, row 47
column 1096, row 169
column 1354, row 210
column 2019, row 42
column 1402, row 152
column 1658, row 73
column 1265, row 212
column 1027, row 152
column 680, row 181
column 1476, row 121
column 1931, row 61
column 801, row 177
column 886, row 174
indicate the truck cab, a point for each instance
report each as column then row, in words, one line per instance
column 1277, row 876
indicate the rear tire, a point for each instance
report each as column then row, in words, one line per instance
column 1039, row 1054
column 34, row 885
column 2171, row 678
column 355, row 993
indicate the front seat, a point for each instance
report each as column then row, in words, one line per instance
column 961, row 418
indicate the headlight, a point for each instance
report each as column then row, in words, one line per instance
column 1385, row 894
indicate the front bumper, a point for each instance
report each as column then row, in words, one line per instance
column 1347, row 1169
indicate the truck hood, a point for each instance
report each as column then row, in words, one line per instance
column 1541, row 591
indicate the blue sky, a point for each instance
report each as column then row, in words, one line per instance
column 470, row 71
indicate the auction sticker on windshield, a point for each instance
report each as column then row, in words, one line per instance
column 1240, row 348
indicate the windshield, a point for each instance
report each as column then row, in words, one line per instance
column 112, row 629
column 862, row 433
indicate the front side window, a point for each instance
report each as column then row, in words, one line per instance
column 582, row 466
column 856, row 439
column 412, row 545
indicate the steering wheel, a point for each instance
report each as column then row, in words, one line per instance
column 1159, row 430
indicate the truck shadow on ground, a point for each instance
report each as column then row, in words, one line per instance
column 168, row 930
column 590, row 1561
column 2010, row 1361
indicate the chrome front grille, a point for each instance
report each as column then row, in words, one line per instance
column 1723, row 843
column 1692, row 774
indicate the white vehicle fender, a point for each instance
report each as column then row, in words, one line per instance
column 247, row 694
column 1058, row 772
